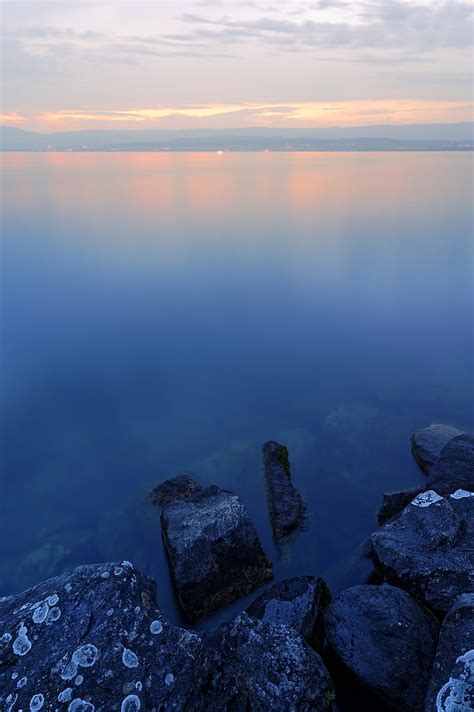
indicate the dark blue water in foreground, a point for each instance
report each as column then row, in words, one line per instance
column 167, row 312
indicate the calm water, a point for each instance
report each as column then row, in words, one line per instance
column 170, row 312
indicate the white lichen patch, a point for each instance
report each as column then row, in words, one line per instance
column 52, row 600
column 36, row 702
column 118, row 571
column 79, row 680
column 105, row 575
column 110, row 612
column 456, row 694
column 460, row 494
column 131, row 704
column 22, row 644
column 85, row 656
column 40, row 613
column 6, row 637
column 22, row 682
column 53, row 615
column 65, row 695
column 425, row 499
column 169, row 679
column 129, row 658
column 128, row 564
column 156, row 627
column 78, row 705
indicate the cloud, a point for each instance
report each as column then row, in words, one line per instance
column 302, row 114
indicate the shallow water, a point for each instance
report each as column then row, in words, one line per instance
column 170, row 312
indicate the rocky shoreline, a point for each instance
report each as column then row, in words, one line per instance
column 95, row 639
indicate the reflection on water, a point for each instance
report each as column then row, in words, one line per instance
column 169, row 312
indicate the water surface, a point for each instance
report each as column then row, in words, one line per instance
column 170, row 312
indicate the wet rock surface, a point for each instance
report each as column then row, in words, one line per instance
column 298, row 602
column 174, row 489
column 452, row 682
column 286, row 508
column 395, row 502
column 427, row 443
column 427, row 550
column 385, row 641
column 109, row 649
column 214, row 551
column 454, row 468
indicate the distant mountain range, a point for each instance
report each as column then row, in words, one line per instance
column 406, row 137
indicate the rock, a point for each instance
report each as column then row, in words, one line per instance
column 263, row 666
column 297, row 602
column 452, row 681
column 214, row 551
column 284, row 501
column 94, row 639
column 426, row 444
column 93, row 635
column 173, row 489
column 385, row 640
column 454, row 468
column 427, row 550
column 395, row 502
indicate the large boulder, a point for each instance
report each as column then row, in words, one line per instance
column 385, row 641
column 454, row 468
column 427, row 443
column 213, row 549
column 262, row 666
column 94, row 640
column 427, row 550
column 452, row 681
column 287, row 511
column 173, row 489
column 298, row 603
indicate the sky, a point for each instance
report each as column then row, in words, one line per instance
column 77, row 64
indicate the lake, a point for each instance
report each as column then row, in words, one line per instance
column 166, row 312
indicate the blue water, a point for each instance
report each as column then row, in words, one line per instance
column 169, row 312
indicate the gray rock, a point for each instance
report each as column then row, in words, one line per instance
column 395, row 502
column 454, row 468
column 426, row 444
column 262, row 666
column 173, row 489
column 427, row 550
column 214, row 551
column 93, row 635
column 452, row 681
column 385, row 641
column 297, row 602
column 110, row 650
column 287, row 511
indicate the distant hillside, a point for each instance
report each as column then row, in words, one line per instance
column 458, row 136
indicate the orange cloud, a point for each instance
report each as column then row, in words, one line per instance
column 292, row 114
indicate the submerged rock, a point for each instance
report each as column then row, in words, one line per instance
column 109, row 648
column 454, row 468
column 298, row 603
column 284, row 501
column 385, row 641
column 427, row 550
column 452, row 681
column 427, row 443
column 214, row 551
column 173, row 489
column 395, row 502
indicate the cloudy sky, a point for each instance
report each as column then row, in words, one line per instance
column 72, row 64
